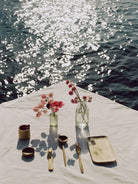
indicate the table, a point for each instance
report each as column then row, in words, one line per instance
column 106, row 117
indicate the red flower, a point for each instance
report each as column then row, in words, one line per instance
column 70, row 92
column 70, row 85
column 76, row 100
column 73, row 88
column 84, row 97
column 60, row 104
column 67, row 82
column 56, row 109
column 72, row 101
column 52, row 104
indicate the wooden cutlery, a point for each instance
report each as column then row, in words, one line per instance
column 78, row 150
column 63, row 140
column 50, row 159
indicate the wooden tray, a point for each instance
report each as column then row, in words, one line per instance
column 101, row 150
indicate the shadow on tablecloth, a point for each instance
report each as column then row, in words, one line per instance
column 22, row 144
column 43, row 144
column 81, row 138
column 48, row 141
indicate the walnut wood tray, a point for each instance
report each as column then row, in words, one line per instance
column 101, row 150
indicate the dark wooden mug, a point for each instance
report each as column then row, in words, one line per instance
column 24, row 132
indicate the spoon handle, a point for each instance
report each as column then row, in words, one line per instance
column 50, row 164
column 64, row 156
column 80, row 163
column 50, row 159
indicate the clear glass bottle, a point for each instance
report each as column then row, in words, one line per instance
column 82, row 115
column 53, row 119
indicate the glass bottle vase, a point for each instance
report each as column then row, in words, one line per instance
column 82, row 115
column 53, row 119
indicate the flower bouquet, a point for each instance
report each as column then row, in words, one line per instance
column 47, row 103
column 82, row 110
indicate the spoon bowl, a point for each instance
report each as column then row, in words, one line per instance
column 62, row 139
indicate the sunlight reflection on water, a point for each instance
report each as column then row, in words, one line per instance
column 61, row 28
column 50, row 41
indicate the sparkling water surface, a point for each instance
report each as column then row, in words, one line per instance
column 93, row 43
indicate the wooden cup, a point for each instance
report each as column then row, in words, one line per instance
column 24, row 132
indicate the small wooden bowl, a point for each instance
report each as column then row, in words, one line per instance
column 62, row 139
column 28, row 152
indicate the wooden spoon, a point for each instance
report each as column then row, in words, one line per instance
column 62, row 141
column 78, row 150
column 50, row 159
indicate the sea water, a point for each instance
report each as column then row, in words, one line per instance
column 93, row 43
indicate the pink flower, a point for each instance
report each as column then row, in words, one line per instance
column 51, row 95
column 47, row 103
column 38, row 114
column 41, row 105
column 36, row 109
column 45, row 111
column 52, row 109
column 51, row 101
column 55, row 109
column 89, row 99
column 43, row 102
column 43, row 96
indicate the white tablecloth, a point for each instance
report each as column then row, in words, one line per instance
column 107, row 117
